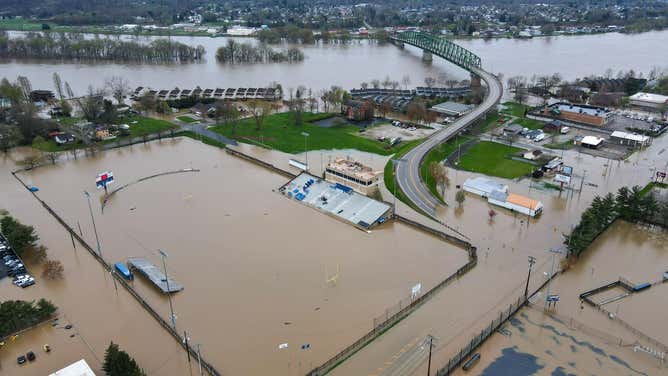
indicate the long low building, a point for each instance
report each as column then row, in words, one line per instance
column 630, row 139
column 579, row 113
column 497, row 194
column 648, row 100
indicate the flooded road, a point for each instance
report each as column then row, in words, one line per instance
column 581, row 339
column 362, row 61
column 254, row 264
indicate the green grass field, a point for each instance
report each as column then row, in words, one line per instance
column 187, row 119
column 280, row 132
column 514, row 108
column 530, row 123
column 146, row 125
column 492, row 159
column 438, row 154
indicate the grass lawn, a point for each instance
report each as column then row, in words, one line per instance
column 438, row 154
column 20, row 24
column 492, row 159
column 530, row 123
column 566, row 145
column 514, row 108
column 203, row 139
column 388, row 173
column 187, row 119
column 145, row 125
column 280, row 132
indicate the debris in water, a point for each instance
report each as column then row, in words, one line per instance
column 287, row 323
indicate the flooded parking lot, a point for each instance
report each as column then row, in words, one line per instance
column 257, row 268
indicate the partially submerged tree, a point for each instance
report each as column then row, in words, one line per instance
column 53, row 269
column 119, row 87
column 460, row 196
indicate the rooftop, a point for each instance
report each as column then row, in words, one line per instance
column 451, row 108
column 649, row 97
column 582, row 109
column 352, row 168
column 630, row 136
column 79, row 368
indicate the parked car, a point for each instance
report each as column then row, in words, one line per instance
column 565, row 130
column 21, row 359
column 539, row 137
column 31, row 356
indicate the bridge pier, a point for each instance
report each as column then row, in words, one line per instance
column 476, row 84
column 427, row 56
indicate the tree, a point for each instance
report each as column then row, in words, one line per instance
column 429, row 81
column 491, row 213
column 91, row 104
column 259, row 110
column 119, row 87
column 460, row 196
column 10, row 136
column 30, row 161
column 21, row 237
column 58, row 84
column 406, row 80
column 440, row 176
column 53, row 269
column 118, row 363
column 147, row 103
column 375, row 83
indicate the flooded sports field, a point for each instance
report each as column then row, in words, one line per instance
column 259, row 270
column 579, row 339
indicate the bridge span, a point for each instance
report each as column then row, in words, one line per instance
column 408, row 169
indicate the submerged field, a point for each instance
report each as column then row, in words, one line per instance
column 254, row 264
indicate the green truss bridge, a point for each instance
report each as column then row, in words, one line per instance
column 407, row 170
column 451, row 52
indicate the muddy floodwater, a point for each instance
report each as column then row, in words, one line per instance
column 580, row 339
column 254, row 264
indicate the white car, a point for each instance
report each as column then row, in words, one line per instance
column 539, row 137
column 565, row 130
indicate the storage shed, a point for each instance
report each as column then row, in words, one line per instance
column 483, row 186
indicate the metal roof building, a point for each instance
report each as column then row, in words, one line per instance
column 451, row 108
column 79, row 368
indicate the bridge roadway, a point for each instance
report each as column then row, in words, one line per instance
column 408, row 170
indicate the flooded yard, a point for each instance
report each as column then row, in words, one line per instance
column 258, row 269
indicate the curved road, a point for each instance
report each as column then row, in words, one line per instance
column 408, row 170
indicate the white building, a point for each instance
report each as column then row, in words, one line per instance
column 359, row 177
column 483, row 187
column 630, row 139
column 241, row 31
column 648, row 100
column 79, row 368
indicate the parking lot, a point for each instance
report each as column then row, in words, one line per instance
column 13, row 266
column 389, row 132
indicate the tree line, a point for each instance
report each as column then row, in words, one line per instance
column 17, row 315
column 633, row 205
column 48, row 45
column 245, row 53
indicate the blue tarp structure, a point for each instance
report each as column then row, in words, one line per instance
column 32, row 188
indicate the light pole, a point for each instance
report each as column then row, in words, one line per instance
column 431, row 343
column 305, row 148
column 92, row 218
column 532, row 260
column 169, row 293
column 549, row 281
column 395, row 163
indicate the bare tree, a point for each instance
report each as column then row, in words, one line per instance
column 440, row 175
column 58, row 84
column 53, row 269
column 387, row 82
column 119, row 87
column 429, row 81
column 259, row 110
column 364, row 85
column 406, row 80
column 375, row 83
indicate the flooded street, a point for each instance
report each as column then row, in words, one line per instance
column 254, row 264
column 362, row 61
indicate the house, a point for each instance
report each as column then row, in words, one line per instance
column 103, row 133
column 202, row 110
column 512, row 129
column 516, row 203
column 41, row 95
column 483, row 186
column 80, row 368
column 532, row 155
column 62, row 138
column 358, row 110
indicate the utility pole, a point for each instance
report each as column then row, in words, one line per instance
column 199, row 359
column 583, row 180
column 185, row 339
column 92, row 218
column 169, row 293
column 305, row 148
column 532, row 260
column 431, row 342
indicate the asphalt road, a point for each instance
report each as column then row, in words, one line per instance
column 408, row 170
